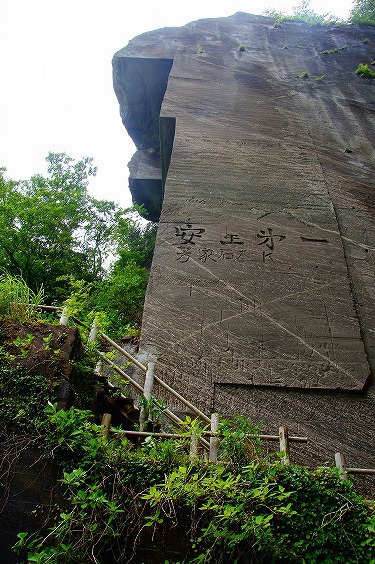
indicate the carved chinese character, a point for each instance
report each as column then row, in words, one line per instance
column 241, row 255
column 224, row 254
column 188, row 233
column 265, row 255
column 206, row 254
column 183, row 254
column 231, row 239
column 268, row 238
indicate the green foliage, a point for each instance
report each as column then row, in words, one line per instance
column 333, row 522
column 303, row 74
column 364, row 71
column 240, row 441
column 116, row 301
column 247, row 508
column 22, row 396
column 278, row 16
column 242, row 48
column 155, row 409
column 51, row 227
column 302, row 13
column 330, row 51
column 62, row 239
column 267, row 513
column 363, row 12
column 72, row 437
column 23, row 344
column 102, row 482
column 121, row 296
column 335, row 50
column 17, row 300
column 79, row 291
column 135, row 239
column 83, row 382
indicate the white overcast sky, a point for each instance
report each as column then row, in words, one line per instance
column 56, row 86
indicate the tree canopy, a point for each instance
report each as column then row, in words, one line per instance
column 51, row 227
column 302, row 12
column 53, row 231
column 363, row 12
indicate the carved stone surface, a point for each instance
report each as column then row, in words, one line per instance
column 261, row 294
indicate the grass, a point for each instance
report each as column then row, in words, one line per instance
column 17, row 300
column 330, row 51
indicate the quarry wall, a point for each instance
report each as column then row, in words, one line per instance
column 256, row 154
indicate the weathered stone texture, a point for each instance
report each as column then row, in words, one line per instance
column 261, row 294
column 46, row 350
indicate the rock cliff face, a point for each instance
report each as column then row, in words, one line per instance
column 261, row 294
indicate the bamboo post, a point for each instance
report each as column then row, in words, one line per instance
column 340, row 464
column 64, row 317
column 98, row 367
column 149, row 383
column 284, row 444
column 194, row 447
column 93, row 333
column 168, row 413
column 214, row 441
column 106, row 423
column 157, row 379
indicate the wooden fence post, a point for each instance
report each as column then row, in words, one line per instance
column 194, row 447
column 214, row 441
column 98, row 367
column 284, row 444
column 106, row 423
column 64, row 316
column 340, row 463
column 147, row 392
column 93, row 333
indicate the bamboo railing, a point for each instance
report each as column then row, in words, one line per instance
column 210, row 445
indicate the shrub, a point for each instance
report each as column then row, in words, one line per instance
column 22, row 396
column 364, row 71
column 238, row 510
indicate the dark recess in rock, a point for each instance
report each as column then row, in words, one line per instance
column 140, row 85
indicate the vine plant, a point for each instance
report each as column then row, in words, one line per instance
column 246, row 508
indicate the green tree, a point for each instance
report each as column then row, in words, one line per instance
column 135, row 239
column 55, row 235
column 363, row 12
column 51, row 227
column 121, row 294
column 303, row 12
